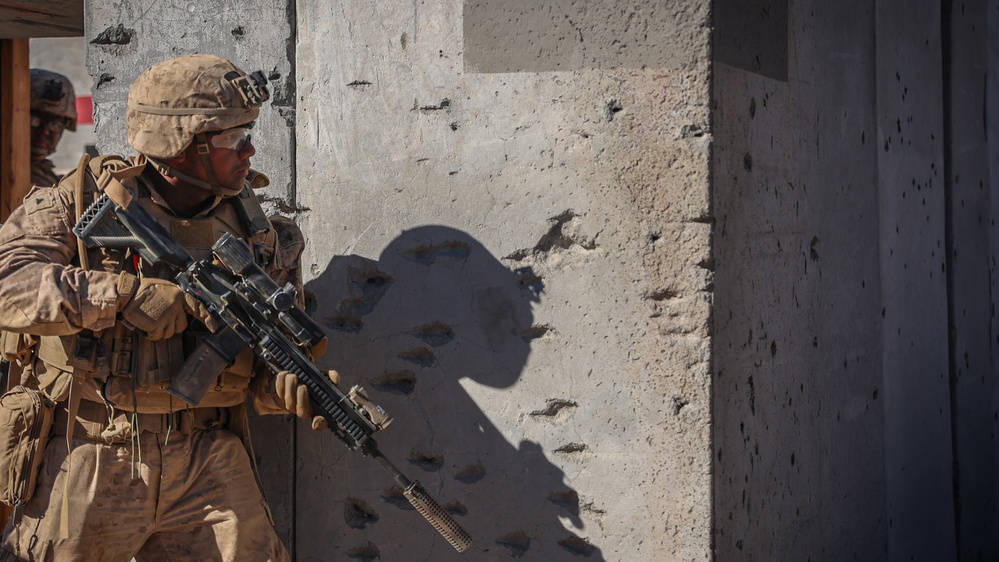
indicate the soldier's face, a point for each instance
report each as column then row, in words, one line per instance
column 232, row 164
column 46, row 131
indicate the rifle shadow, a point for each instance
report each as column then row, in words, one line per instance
column 432, row 329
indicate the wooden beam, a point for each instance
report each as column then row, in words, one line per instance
column 15, row 124
column 41, row 18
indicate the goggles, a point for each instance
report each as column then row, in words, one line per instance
column 53, row 122
column 232, row 139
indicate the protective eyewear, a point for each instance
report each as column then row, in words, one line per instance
column 55, row 123
column 232, row 139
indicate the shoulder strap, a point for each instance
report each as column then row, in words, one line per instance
column 78, row 203
column 250, row 213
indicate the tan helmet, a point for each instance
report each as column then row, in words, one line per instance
column 176, row 100
column 53, row 93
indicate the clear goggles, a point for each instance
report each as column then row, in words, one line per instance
column 53, row 122
column 232, row 139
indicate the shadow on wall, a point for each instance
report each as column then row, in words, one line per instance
column 437, row 314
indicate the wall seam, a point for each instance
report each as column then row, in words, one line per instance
column 946, row 39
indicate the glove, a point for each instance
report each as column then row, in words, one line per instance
column 293, row 397
column 158, row 307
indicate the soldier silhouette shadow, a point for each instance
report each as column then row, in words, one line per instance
column 435, row 319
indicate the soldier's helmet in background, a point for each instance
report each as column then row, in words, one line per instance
column 53, row 93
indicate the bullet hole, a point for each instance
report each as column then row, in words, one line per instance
column 456, row 508
column 773, row 348
column 792, row 459
column 577, row 546
column 365, row 553
column 535, row 332
column 104, row 79
column 118, row 35
column 747, row 162
column 471, row 474
column 434, row 334
column 518, row 543
column 454, row 126
column 400, row 383
column 661, row 295
column 571, row 448
column 420, row 356
column 678, row 403
column 613, row 108
column 688, row 131
column 443, row 105
column 358, row 514
column 426, row 461
column 554, row 406
column 238, row 32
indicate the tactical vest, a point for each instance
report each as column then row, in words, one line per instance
column 121, row 367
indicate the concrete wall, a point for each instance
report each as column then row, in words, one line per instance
column 854, row 400
column 509, row 234
column 509, row 240
column 588, row 353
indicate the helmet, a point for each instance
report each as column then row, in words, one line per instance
column 176, row 100
column 53, row 93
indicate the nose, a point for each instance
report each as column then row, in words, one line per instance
column 248, row 150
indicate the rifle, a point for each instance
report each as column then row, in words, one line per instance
column 252, row 311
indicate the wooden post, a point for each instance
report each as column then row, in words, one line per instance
column 15, row 141
column 15, row 124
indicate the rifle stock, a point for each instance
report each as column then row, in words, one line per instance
column 253, row 311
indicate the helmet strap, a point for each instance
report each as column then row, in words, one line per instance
column 162, row 168
column 203, row 148
column 211, row 185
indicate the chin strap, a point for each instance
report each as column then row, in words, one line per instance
column 201, row 141
column 211, row 186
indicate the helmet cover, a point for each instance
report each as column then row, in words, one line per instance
column 53, row 93
column 177, row 99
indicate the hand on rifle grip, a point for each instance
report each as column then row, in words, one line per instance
column 158, row 307
column 294, row 397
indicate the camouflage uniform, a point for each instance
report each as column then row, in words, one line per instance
column 146, row 475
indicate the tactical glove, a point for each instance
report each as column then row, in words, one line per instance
column 158, row 307
column 293, row 397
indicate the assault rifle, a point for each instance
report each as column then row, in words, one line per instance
column 252, row 311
